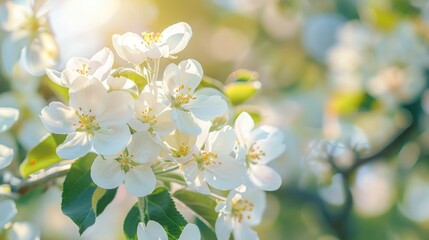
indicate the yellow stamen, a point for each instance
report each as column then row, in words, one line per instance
column 150, row 37
column 86, row 122
column 241, row 209
column 84, row 70
column 147, row 117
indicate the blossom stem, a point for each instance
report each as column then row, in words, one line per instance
column 42, row 178
column 167, row 170
column 168, row 177
column 142, row 208
column 217, row 196
column 156, row 70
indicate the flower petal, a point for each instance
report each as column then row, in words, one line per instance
column 140, row 180
column 56, row 77
column 164, row 124
column 11, row 51
column 226, row 174
column 8, row 116
column 190, row 232
column 144, row 149
column 8, row 211
column 6, row 156
column 185, row 123
column 272, row 150
column 138, row 126
column 23, row 230
column 244, row 232
column 195, row 178
column 222, row 141
column 59, row 118
column 259, row 200
column 188, row 73
column 105, row 58
column 41, row 53
column 207, row 107
column 107, row 173
column 121, row 83
column 265, row 177
column 117, row 109
column 108, row 141
column 223, row 227
column 177, row 36
column 152, row 231
column 76, row 145
column 127, row 47
column 243, row 126
column 88, row 94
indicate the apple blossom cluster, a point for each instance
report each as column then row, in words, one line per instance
column 143, row 125
column 8, row 209
column 30, row 41
column 389, row 66
column 8, row 116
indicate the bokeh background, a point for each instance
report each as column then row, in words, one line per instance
column 344, row 79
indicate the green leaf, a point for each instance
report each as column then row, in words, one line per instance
column 207, row 233
column 82, row 200
column 101, row 198
column 131, row 74
column 159, row 207
column 61, row 92
column 202, row 206
column 131, row 222
column 242, row 85
column 43, row 155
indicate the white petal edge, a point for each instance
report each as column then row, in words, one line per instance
column 6, row 156
column 190, row 232
column 107, row 173
column 140, row 181
column 8, row 211
column 8, row 116
column 76, row 145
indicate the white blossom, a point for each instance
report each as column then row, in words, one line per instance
column 98, row 67
column 23, row 231
column 180, row 82
column 8, row 211
column 30, row 37
column 257, row 147
column 8, row 116
column 151, row 114
column 208, row 162
column 135, row 48
column 95, row 119
column 239, row 213
column 154, row 230
column 131, row 166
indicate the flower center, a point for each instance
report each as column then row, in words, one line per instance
column 86, row 122
column 150, row 37
column 181, row 151
column 126, row 161
column 84, row 70
column 206, row 159
column 183, row 96
column 241, row 209
column 32, row 24
column 254, row 153
column 146, row 116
